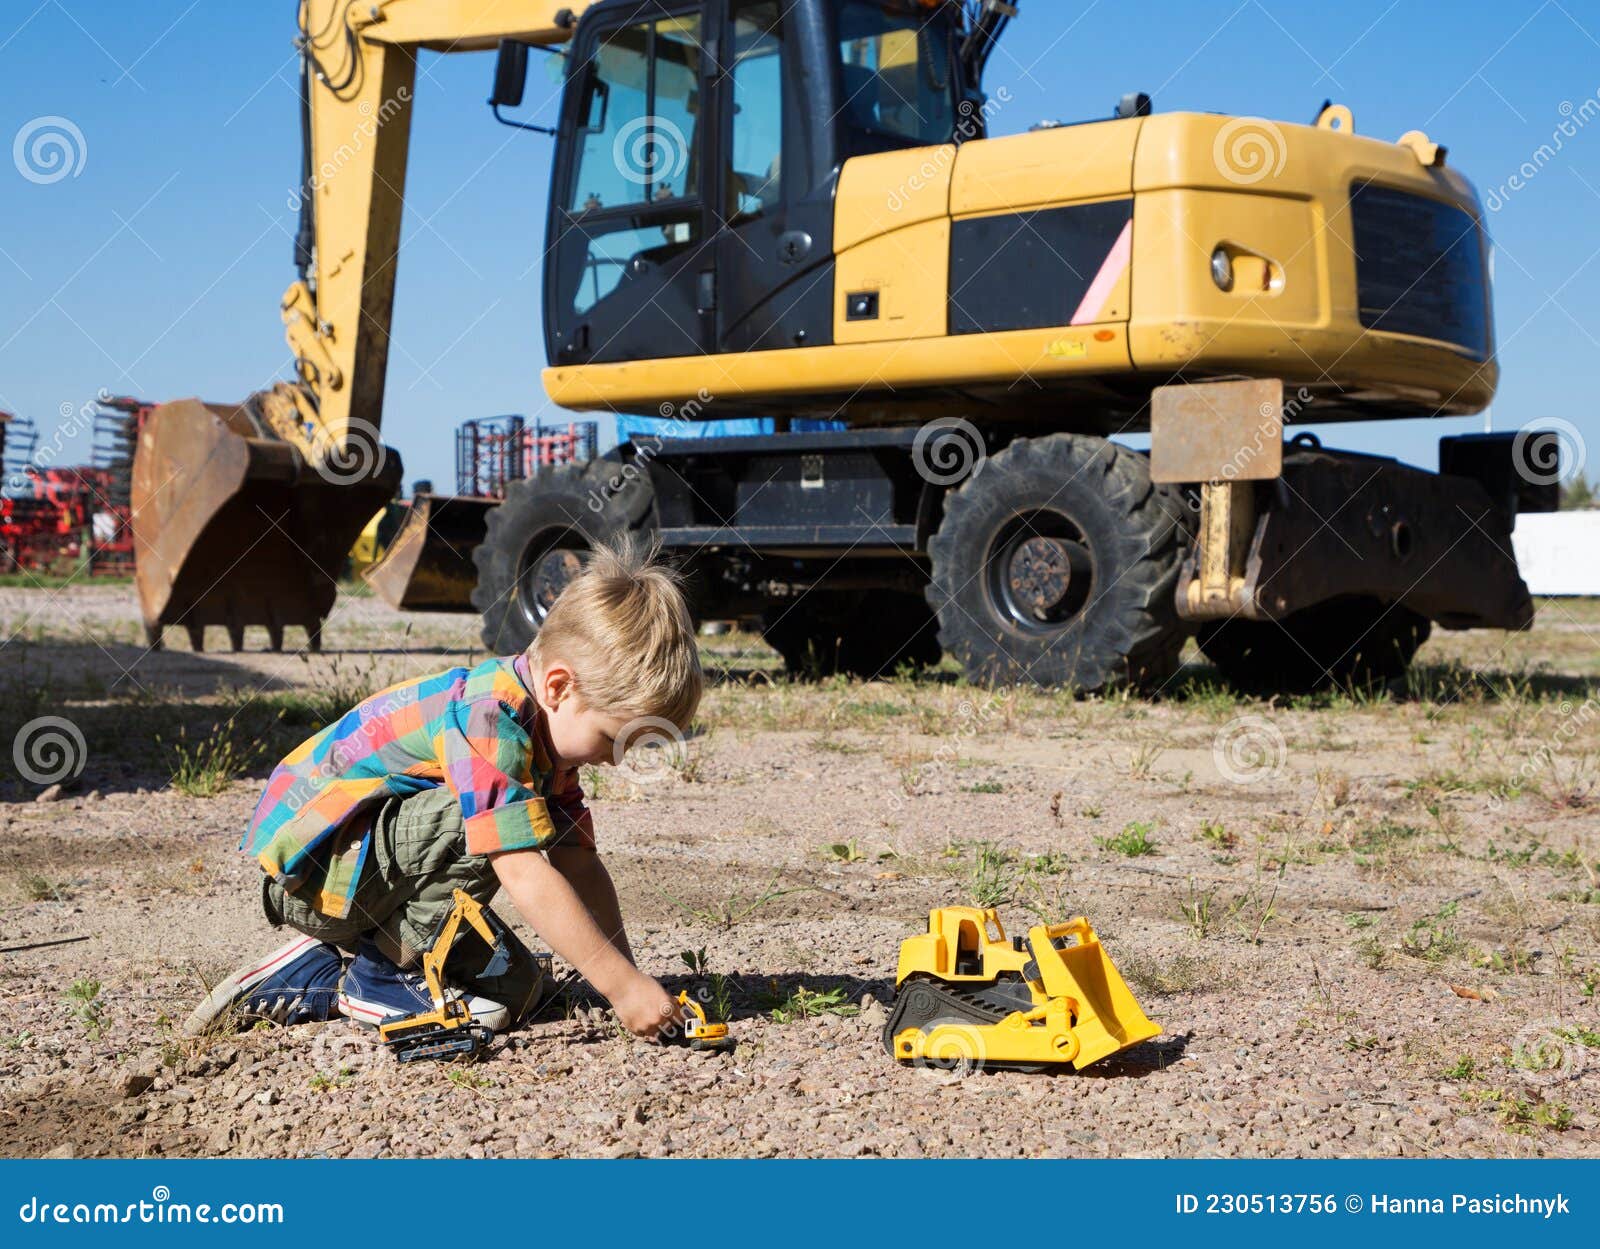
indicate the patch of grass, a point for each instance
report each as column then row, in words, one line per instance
column 1522, row 1115
column 206, row 768
column 1050, row 863
column 1196, row 911
column 1372, row 951
column 468, row 1080
column 1433, row 938
column 1047, row 898
column 843, row 852
column 1464, row 1068
column 1091, row 811
column 718, row 999
column 1383, row 837
column 735, row 908
column 992, row 880
column 84, row 999
column 1182, row 973
column 1143, row 762
column 322, row 1082
column 41, row 889
column 1214, row 833
column 984, row 787
column 806, row 1003
column 1361, row 1044
column 1134, row 841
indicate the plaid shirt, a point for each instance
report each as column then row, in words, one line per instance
column 480, row 731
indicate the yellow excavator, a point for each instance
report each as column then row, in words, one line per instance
column 792, row 209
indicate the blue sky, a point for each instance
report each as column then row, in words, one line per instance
column 157, row 267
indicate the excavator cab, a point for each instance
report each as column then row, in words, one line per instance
column 693, row 192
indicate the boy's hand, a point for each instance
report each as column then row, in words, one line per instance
column 645, row 1008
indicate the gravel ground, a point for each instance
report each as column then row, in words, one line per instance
column 1367, row 927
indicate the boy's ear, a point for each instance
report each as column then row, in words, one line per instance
column 555, row 683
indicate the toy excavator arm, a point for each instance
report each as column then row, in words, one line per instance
column 358, row 67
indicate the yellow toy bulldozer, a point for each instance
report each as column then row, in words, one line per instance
column 969, row 998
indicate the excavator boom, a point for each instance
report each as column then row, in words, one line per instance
column 243, row 513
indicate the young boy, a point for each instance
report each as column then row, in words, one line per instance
column 468, row 780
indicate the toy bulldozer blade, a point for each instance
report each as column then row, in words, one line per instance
column 969, row 997
column 232, row 526
column 428, row 566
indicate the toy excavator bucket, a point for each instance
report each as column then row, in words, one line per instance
column 1107, row 1018
column 232, row 527
column 428, row 565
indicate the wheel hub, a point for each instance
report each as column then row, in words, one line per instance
column 550, row 575
column 1044, row 578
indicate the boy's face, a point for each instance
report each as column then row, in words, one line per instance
column 579, row 734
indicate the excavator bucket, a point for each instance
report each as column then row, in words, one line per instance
column 428, row 566
column 232, row 527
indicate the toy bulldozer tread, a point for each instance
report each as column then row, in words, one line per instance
column 969, row 998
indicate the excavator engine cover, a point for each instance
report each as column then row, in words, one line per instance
column 233, row 528
column 969, row 998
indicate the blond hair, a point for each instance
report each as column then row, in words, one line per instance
column 623, row 628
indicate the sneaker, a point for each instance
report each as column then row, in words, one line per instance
column 376, row 990
column 297, row 983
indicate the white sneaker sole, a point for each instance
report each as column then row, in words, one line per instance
column 236, row 986
column 491, row 1015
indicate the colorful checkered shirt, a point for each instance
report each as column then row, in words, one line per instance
column 479, row 731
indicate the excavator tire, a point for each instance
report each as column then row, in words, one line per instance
column 866, row 634
column 1056, row 563
column 1355, row 643
column 537, row 540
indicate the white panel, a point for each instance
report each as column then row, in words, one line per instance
column 1559, row 552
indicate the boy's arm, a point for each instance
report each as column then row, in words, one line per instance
column 587, row 875
column 552, row 906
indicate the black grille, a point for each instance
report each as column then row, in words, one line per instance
column 1419, row 268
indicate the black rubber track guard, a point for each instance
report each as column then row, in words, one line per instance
column 1137, row 532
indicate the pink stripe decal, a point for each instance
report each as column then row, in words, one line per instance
column 1111, row 271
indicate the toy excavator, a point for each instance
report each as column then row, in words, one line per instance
column 967, row 997
column 448, row 1031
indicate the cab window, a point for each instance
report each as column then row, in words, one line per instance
column 639, row 118
column 899, row 81
column 755, row 182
